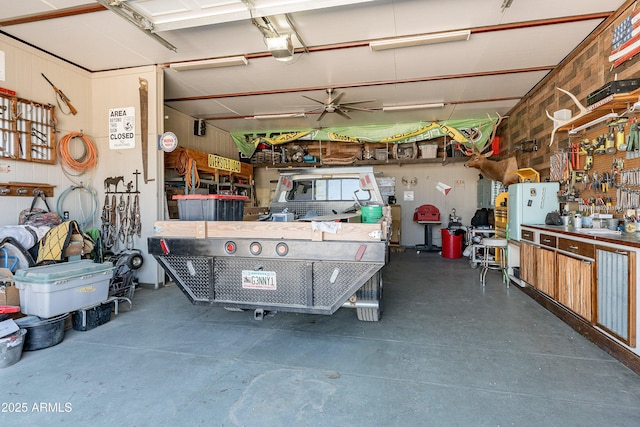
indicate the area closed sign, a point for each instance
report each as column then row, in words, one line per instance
column 122, row 128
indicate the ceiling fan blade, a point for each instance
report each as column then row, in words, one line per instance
column 342, row 113
column 315, row 110
column 314, row 100
column 324, row 112
column 337, row 99
column 357, row 102
column 348, row 108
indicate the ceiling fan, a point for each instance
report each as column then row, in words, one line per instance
column 333, row 105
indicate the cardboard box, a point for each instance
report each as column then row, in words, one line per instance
column 396, row 223
column 9, row 294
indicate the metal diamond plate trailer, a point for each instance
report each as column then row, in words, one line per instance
column 311, row 265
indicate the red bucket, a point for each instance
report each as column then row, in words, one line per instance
column 451, row 244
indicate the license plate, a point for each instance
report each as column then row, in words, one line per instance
column 259, row 280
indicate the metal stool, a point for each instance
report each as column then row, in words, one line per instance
column 499, row 246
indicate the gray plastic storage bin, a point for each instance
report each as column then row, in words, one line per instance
column 55, row 289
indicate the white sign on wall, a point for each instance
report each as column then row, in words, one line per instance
column 122, row 128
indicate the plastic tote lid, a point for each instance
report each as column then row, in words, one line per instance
column 62, row 271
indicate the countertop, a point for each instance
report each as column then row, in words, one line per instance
column 595, row 234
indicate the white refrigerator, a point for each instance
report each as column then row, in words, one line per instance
column 529, row 203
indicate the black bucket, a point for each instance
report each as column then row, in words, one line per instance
column 42, row 333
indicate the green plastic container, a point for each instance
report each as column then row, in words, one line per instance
column 371, row 214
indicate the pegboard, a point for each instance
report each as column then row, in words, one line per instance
column 620, row 194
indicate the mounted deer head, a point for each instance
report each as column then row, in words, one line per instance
column 500, row 171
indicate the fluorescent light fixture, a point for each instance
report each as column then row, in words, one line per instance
column 397, row 42
column 593, row 123
column 276, row 116
column 412, row 107
column 144, row 24
column 281, row 47
column 209, row 63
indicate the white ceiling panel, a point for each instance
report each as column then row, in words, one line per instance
column 471, row 77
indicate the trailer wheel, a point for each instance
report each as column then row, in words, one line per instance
column 372, row 290
column 135, row 261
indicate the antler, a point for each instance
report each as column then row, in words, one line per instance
column 495, row 127
column 557, row 124
column 475, row 150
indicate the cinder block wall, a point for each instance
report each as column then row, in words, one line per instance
column 582, row 72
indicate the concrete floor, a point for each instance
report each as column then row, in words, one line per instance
column 447, row 353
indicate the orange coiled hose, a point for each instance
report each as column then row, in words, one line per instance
column 86, row 161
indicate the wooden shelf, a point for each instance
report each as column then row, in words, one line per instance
column 613, row 103
column 214, row 177
column 26, row 189
column 395, row 162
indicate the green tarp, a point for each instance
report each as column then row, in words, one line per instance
column 468, row 132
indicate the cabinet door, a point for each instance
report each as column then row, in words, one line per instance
column 528, row 269
column 546, row 271
column 615, row 293
column 575, row 278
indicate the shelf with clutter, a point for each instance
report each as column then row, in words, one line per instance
column 190, row 171
column 338, row 153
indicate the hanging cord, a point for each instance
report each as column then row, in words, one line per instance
column 86, row 162
column 186, row 166
column 191, row 177
column 85, row 220
column 180, row 165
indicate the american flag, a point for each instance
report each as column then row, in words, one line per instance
column 625, row 43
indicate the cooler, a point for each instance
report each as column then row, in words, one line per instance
column 451, row 243
column 55, row 289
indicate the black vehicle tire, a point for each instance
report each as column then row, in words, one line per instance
column 371, row 290
column 135, row 261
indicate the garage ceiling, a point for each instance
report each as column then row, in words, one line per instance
column 512, row 45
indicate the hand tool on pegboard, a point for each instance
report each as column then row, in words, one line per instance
column 144, row 126
column 610, row 143
column 595, row 181
column 620, row 137
column 575, row 156
column 588, row 163
column 606, row 182
column 632, row 138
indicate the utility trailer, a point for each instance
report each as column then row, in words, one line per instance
column 311, row 255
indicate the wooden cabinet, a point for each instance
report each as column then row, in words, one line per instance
column 616, row 293
column 528, row 271
column 538, row 268
column 591, row 283
column 546, row 271
column 575, row 284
